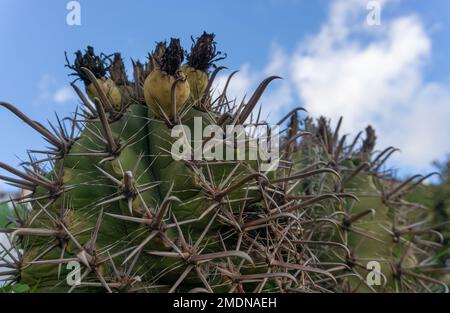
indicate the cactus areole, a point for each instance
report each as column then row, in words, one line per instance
column 108, row 201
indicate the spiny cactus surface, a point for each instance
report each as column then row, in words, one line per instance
column 109, row 196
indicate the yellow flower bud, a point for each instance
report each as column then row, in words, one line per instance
column 198, row 81
column 110, row 89
column 158, row 88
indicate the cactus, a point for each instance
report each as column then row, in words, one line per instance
column 382, row 225
column 109, row 196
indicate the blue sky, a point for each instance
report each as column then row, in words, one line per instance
column 395, row 76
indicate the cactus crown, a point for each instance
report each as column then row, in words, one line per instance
column 370, row 140
column 117, row 70
column 203, row 52
column 172, row 57
column 96, row 64
column 155, row 58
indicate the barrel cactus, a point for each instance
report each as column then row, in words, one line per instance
column 382, row 226
column 109, row 196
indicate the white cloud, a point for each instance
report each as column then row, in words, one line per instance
column 369, row 75
column 50, row 91
column 424, row 132
column 63, row 95
column 380, row 82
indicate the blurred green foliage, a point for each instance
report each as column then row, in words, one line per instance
column 5, row 214
column 17, row 288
